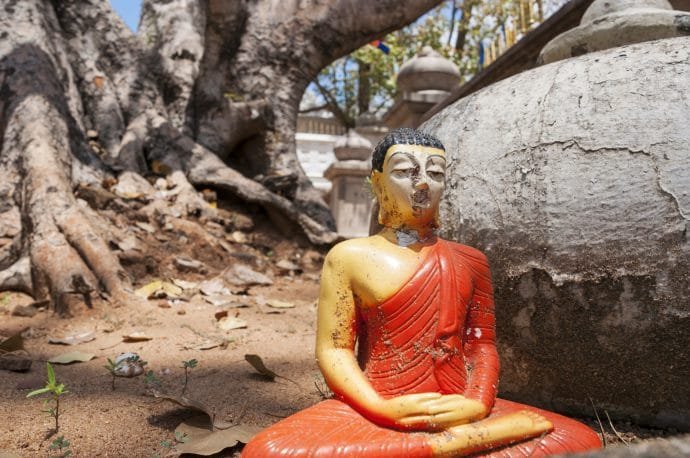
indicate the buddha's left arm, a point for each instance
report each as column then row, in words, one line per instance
column 480, row 338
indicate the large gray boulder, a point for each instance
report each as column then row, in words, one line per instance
column 574, row 179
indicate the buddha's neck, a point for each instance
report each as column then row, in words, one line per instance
column 407, row 236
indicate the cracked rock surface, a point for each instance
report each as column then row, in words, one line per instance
column 574, row 179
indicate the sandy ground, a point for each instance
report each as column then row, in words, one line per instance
column 128, row 421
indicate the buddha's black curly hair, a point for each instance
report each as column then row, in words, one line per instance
column 402, row 136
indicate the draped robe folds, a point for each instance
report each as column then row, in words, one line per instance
column 436, row 334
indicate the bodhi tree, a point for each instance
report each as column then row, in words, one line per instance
column 207, row 88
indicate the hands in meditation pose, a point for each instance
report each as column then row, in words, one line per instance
column 406, row 339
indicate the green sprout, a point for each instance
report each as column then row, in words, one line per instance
column 180, row 438
column 62, row 445
column 150, row 379
column 131, row 366
column 191, row 364
column 56, row 390
column 111, row 368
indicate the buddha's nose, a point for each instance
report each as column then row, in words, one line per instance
column 421, row 183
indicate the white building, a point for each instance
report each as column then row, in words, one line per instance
column 315, row 138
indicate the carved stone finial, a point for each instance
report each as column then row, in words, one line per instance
column 428, row 70
column 611, row 23
column 352, row 146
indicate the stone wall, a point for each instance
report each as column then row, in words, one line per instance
column 574, row 178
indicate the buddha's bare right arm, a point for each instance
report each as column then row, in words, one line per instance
column 336, row 335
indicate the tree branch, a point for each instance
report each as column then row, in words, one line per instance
column 313, row 109
column 332, row 105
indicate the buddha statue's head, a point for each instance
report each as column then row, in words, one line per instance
column 408, row 178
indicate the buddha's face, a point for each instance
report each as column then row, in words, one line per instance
column 410, row 185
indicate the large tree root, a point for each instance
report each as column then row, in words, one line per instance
column 203, row 168
column 70, row 67
column 67, row 255
column 17, row 277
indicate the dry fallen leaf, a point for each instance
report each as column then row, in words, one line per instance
column 185, row 263
column 208, row 345
column 214, row 287
column 219, row 300
column 136, row 336
column 193, row 404
column 158, row 290
column 74, row 339
column 12, row 354
column 184, row 284
column 12, row 343
column 128, row 243
column 201, row 440
column 276, row 304
column 258, row 364
column 239, row 237
column 229, row 323
column 146, row 226
column 71, row 357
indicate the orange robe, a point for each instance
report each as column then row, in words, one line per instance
column 437, row 334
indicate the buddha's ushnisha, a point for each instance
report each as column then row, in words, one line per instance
column 420, row 312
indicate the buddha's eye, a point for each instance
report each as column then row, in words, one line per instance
column 402, row 172
column 436, row 175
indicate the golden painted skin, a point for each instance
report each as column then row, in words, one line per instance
column 367, row 271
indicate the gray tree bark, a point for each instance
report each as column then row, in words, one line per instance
column 210, row 88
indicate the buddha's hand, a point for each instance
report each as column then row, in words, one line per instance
column 430, row 411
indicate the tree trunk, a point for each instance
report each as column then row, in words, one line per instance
column 259, row 58
column 208, row 88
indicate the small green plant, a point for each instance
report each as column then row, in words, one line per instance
column 150, row 380
column 180, row 438
column 125, row 365
column 186, row 365
column 56, row 390
column 61, row 445
column 111, row 368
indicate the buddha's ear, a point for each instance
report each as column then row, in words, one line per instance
column 376, row 183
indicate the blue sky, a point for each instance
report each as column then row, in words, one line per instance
column 129, row 11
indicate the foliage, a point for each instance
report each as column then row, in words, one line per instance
column 364, row 81
column 191, row 364
column 117, row 368
column 180, row 438
column 150, row 379
column 460, row 30
column 111, row 368
column 55, row 389
column 62, row 445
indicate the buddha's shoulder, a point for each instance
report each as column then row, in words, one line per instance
column 468, row 253
column 354, row 248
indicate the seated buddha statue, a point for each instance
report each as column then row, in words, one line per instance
column 406, row 339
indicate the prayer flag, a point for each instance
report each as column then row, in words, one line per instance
column 481, row 55
column 381, row 45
